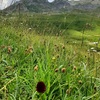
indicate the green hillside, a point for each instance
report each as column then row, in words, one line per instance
column 50, row 56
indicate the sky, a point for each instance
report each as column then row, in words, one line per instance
column 74, row 0
column 68, row 0
column 6, row 3
column 51, row 0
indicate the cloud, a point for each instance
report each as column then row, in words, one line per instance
column 6, row 3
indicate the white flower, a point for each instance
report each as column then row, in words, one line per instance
column 92, row 48
column 29, row 29
column 88, row 50
column 21, row 23
column 95, row 42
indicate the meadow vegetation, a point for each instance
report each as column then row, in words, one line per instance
column 61, row 50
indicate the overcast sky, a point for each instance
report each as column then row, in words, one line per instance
column 50, row 0
column 6, row 3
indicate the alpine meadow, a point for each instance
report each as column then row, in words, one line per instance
column 50, row 56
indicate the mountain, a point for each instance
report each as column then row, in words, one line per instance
column 44, row 5
column 56, row 6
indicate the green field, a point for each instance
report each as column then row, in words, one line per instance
column 61, row 50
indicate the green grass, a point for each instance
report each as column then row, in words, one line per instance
column 54, row 51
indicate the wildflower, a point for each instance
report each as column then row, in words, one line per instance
column 95, row 88
column 63, row 70
column 30, row 29
column 88, row 50
column 80, row 82
column 98, row 53
column 9, row 50
column 53, row 58
column 95, row 42
column 68, row 91
column 55, row 45
column 74, row 68
column 29, row 50
column 57, row 34
column 78, row 75
column 36, row 68
column 74, row 52
column 3, row 46
column 57, row 56
column 63, row 47
column 21, row 23
column 41, row 87
column 92, row 48
column 56, row 70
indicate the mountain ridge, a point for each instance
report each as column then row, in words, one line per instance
column 56, row 6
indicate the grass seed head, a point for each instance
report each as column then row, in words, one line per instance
column 63, row 70
column 3, row 46
column 30, row 50
column 63, row 47
column 74, row 68
column 36, row 68
column 80, row 82
column 57, row 55
column 68, row 91
column 9, row 50
column 56, row 70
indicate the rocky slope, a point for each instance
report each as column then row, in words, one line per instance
column 56, row 6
